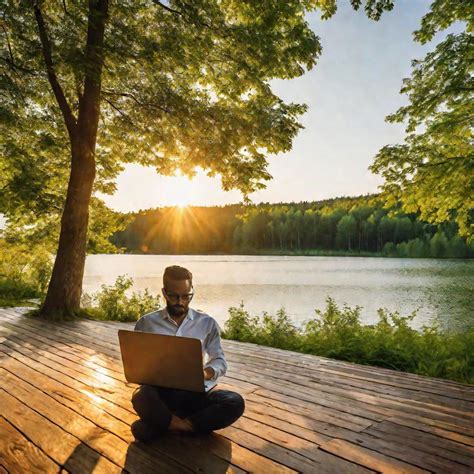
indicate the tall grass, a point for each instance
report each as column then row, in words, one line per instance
column 338, row 333
column 24, row 273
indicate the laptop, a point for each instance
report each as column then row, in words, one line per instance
column 163, row 360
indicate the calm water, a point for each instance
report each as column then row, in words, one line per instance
column 440, row 290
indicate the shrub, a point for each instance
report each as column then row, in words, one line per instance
column 24, row 272
column 113, row 303
column 240, row 326
column 278, row 331
column 338, row 333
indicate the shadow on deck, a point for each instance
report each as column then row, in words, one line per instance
column 64, row 403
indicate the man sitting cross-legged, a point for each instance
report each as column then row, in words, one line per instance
column 164, row 409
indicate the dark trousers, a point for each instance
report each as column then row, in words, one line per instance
column 208, row 411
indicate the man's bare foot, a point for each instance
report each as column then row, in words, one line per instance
column 178, row 424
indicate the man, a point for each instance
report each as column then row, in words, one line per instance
column 160, row 408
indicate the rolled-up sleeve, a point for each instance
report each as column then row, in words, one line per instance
column 215, row 352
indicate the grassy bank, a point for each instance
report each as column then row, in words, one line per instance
column 339, row 334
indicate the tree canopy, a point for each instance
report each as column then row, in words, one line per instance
column 433, row 170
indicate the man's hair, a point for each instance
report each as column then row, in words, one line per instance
column 175, row 272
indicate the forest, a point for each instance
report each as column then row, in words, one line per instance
column 354, row 226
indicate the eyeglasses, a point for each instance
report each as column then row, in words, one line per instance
column 174, row 297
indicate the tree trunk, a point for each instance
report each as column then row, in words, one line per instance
column 65, row 286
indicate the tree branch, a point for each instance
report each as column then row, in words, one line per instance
column 137, row 101
column 17, row 67
column 69, row 118
column 8, row 44
column 448, row 160
column 89, row 106
column 193, row 17
column 123, row 114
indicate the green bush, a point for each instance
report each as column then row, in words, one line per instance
column 112, row 302
column 24, row 272
column 240, row 326
column 339, row 334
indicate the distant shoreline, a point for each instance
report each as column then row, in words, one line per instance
column 308, row 253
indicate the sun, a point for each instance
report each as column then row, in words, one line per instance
column 183, row 194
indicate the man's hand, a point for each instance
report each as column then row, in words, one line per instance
column 208, row 373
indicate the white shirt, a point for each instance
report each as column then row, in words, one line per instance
column 197, row 325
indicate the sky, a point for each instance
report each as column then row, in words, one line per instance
column 350, row 91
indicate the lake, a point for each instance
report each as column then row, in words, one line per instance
column 441, row 290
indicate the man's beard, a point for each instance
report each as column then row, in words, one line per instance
column 176, row 310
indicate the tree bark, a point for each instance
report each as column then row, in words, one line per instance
column 65, row 287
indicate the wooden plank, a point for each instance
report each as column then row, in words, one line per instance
column 463, row 423
column 419, row 415
column 399, row 450
column 410, row 397
column 109, row 406
column 442, row 442
column 80, row 402
column 426, row 442
column 395, row 447
column 113, row 394
column 19, row 455
column 427, row 427
column 424, row 384
column 94, row 325
column 76, row 384
column 369, row 458
column 374, row 389
column 88, row 373
column 285, row 456
column 55, row 390
column 322, row 392
column 299, row 445
column 324, row 413
column 98, row 439
column 285, row 354
column 332, row 414
column 314, row 412
column 266, row 380
column 372, row 408
column 63, row 448
column 104, row 375
column 68, row 340
column 299, row 358
column 28, row 338
column 370, row 373
column 328, row 415
column 292, row 414
column 468, row 393
column 68, row 351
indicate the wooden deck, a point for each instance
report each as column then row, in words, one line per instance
column 64, row 405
